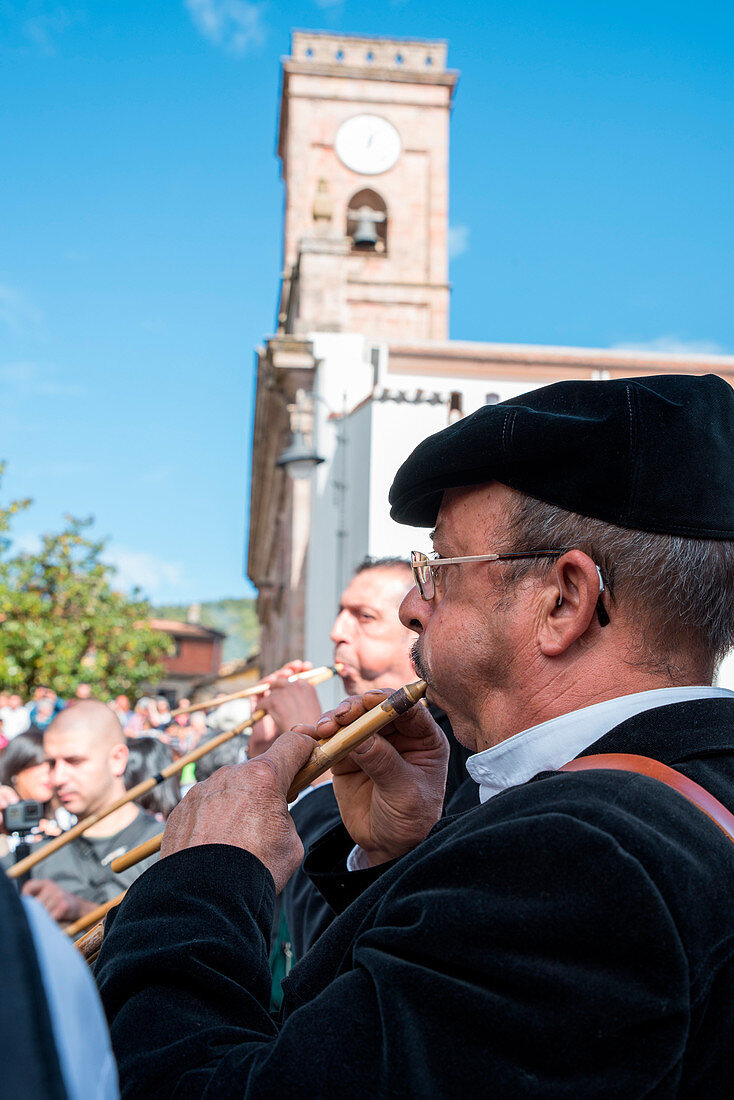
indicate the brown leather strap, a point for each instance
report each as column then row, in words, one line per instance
column 644, row 765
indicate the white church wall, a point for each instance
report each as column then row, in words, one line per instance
column 340, row 488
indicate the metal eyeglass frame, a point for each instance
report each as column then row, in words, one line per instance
column 423, row 566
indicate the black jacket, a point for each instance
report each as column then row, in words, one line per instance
column 572, row 937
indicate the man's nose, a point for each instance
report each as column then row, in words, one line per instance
column 414, row 611
column 341, row 630
column 58, row 773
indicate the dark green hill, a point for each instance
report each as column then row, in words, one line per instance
column 235, row 618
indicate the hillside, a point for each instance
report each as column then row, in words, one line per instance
column 235, row 618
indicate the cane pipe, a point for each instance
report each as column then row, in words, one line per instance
column 325, row 754
column 90, row 943
column 333, row 749
column 257, row 689
column 314, row 676
column 93, row 916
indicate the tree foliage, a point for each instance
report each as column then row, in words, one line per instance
column 61, row 621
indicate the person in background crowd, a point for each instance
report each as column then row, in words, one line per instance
column 45, row 706
column 147, row 757
column 3, row 738
column 121, row 707
column 140, row 720
column 43, row 714
column 86, row 747
column 15, row 717
column 183, row 719
column 160, row 714
column 196, row 729
column 25, row 773
column 83, row 691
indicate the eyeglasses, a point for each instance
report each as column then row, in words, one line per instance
column 425, row 568
column 425, row 571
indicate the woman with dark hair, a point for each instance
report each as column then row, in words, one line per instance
column 25, row 773
column 146, row 757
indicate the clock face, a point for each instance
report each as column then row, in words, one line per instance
column 367, row 144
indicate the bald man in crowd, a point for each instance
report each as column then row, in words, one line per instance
column 86, row 747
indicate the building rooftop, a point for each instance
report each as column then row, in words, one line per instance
column 185, row 630
column 319, row 49
column 455, row 351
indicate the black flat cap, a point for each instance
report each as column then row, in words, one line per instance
column 654, row 453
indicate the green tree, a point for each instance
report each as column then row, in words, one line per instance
column 61, row 621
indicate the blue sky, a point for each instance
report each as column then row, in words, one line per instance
column 140, row 229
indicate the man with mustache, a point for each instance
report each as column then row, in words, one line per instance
column 573, row 935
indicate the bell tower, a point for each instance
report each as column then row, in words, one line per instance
column 363, row 144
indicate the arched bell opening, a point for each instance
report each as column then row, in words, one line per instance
column 367, row 222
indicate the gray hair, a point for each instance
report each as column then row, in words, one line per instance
column 681, row 589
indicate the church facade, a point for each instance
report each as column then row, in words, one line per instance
column 362, row 367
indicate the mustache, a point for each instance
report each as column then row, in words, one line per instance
column 419, row 664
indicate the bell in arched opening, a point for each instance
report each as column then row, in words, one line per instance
column 367, row 222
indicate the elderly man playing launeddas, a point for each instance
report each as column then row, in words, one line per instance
column 573, row 935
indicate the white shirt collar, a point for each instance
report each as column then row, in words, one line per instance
column 550, row 745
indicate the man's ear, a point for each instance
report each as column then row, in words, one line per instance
column 118, row 760
column 568, row 602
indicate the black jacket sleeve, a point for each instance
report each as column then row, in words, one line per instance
column 307, row 912
column 533, row 958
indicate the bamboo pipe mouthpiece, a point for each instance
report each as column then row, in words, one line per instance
column 331, row 751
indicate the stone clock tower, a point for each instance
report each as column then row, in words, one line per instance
column 363, row 144
column 364, row 130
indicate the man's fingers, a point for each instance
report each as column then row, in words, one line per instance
column 286, row 757
column 381, row 762
column 418, row 722
column 308, row 731
column 349, row 711
column 34, row 886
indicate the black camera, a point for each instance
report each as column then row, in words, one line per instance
column 22, row 817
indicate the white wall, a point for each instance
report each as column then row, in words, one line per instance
column 343, row 379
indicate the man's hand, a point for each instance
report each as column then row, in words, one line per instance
column 286, row 703
column 390, row 790
column 245, row 805
column 7, row 798
column 59, row 904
